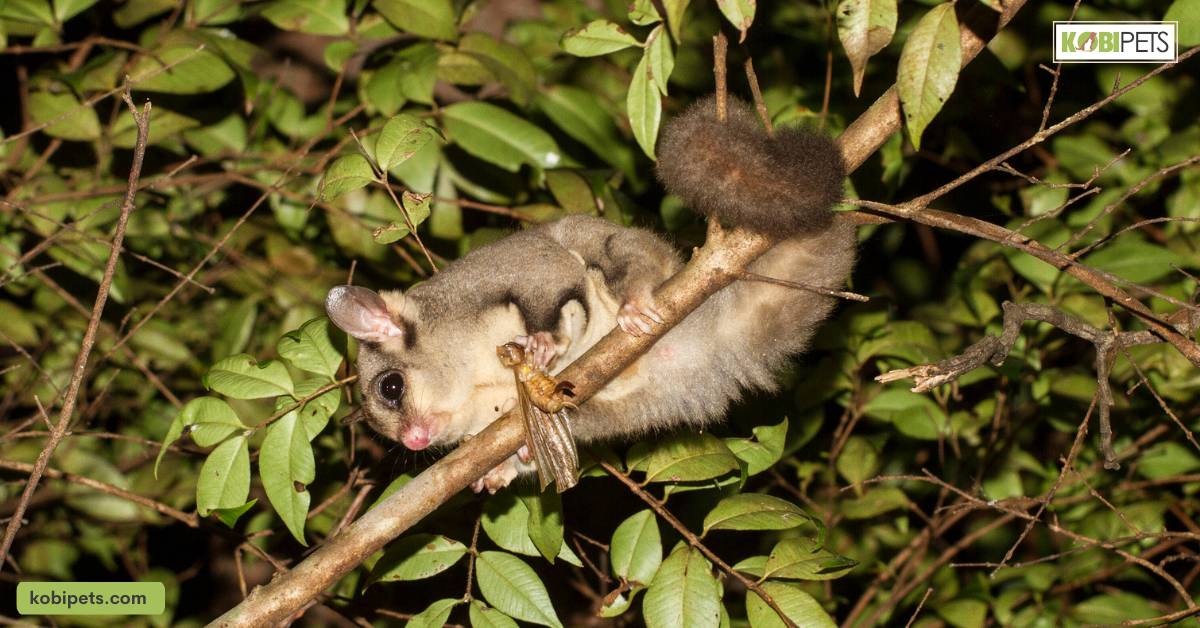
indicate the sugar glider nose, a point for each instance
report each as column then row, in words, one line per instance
column 415, row 438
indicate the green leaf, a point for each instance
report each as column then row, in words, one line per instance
column 598, row 37
column 865, row 27
column 14, row 321
column 230, row 516
column 1113, row 608
column 241, row 377
column 675, row 10
column 434, row 19
column 499, row 137
column 764, row 450
column 643, row 13
column 416, row 207
column 684, row 593
column 506, row 62
column 348, row 173
column 174, row 431
column 964, row 612
column 211, row 419
column 28, row 11
column 462, row 69
column 506, row 522
column 636, row 549
column 802, row 559
column 235, row 326
column 71, row 121
column 545, row 521
column 572, row 191
column 419, row 64
column 858, row 460
column 580, row 114
column 483, row 617
column 689, row 457
column 929, row 66
column 316, row 413
column 310, row 348
column 192, row 70
column 402, row 136
column 662, row 58
column 797, row 604
column 227, row 135
column 740, row 13
column 913, row 414
column 417, row 556
column 318, row 17
column 754, row 511
column 508, row 584
column 1187, row 13
column 67, row 9
column 874, row 502
column 434, row 616
column 1167, row 459
column 643, row 104
column 136, row 11
column 224, row 480
column 214, row 12
column 286, row 467
column 1134, row 259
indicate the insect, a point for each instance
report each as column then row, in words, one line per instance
column 544, row 403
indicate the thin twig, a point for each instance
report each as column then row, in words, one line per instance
column 720, row 47
column 841, row 294
column 188, row 519
column 920, row 605
column 661, row 510
column 759, row 104
column 89, row 337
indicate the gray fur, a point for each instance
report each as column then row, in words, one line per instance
column 570, row 278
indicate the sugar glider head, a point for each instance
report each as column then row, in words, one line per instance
column 419, row 380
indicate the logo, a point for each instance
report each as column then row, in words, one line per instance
column 1114, row 42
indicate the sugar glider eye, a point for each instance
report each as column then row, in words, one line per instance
column 390, row 386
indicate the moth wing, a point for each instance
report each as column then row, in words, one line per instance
column 554, row 449
column 532, row 415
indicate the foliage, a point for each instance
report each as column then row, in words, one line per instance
column 295, row 143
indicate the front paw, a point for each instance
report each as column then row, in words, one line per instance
column 540, row 348
column 500, row 476
column 639, row 314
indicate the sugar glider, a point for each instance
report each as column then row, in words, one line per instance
column 427, row 358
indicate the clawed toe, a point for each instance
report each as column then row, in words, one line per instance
column 542, row 349
column 639, row 316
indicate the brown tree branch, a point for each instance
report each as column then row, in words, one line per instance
column 1097, row 280
column 994, row 349
column 188, row 519
column 89, row 336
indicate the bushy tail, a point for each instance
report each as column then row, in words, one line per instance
column 732, row 169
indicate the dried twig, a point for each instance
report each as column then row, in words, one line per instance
column 994, row 349
column 188, row 519
column 759, row 104
column 89, row 336
column 720, row 46
column 840, row 294
column 661, row 510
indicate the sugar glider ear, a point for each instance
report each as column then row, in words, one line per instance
column 361, row 313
